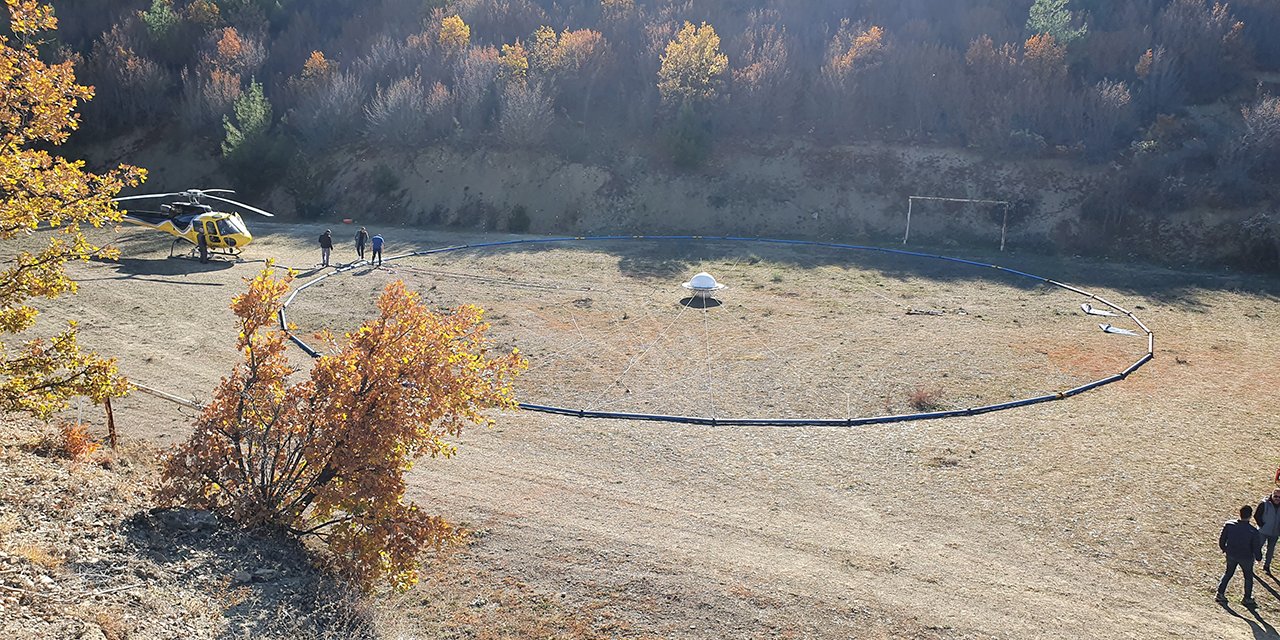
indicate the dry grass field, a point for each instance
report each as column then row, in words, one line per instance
column 1090, row 517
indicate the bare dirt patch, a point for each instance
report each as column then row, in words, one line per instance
column 800, row 332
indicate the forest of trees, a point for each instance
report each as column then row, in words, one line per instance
column 1176, row 92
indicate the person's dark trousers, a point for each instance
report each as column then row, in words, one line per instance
column 1247, row 568
column 360, row 251
column 1269, row 542
column 377, row 255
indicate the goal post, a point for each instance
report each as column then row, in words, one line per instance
column 1004, row 225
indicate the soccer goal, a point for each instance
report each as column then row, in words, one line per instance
column 1002, row 206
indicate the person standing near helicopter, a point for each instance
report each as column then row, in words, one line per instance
column 326, row 247
column 203, row 243
column 362, row 236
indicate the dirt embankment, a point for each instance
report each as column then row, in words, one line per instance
column 853, row 193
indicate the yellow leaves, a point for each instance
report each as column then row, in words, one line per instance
column 455, row 35
column 692, row 65
column 852, row 50
column 545, row 49
column 44, row 373
column 260, row 305
column 40, row 190
column 29, row 16
column 515, row 61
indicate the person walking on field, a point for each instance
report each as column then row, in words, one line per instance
column 1242, row 544
column 1268, row 518
column 377, row 250
column 362, row 236
column 326, row 247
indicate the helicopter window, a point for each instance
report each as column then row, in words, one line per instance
column 237, row 225
column 225, row 227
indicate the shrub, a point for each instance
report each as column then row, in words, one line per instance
column 331, row 114
column 384, row 181
column 327, row 456
column 395, row 115
column 72, row 441
column 252, row 153
column 1259, row 145
column 525, row 114
column 689, row 139
column 518, row 220
column 923, row 399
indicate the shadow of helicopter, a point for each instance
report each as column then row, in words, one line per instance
column 140, row 268
column 168, row 266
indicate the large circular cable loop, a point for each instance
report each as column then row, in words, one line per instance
column 776, row 422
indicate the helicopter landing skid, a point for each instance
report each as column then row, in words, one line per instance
column 193, row 252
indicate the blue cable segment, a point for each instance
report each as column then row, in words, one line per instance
column 774, row 422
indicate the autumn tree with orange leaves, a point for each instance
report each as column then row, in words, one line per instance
column 326, row 456
column 40, row 191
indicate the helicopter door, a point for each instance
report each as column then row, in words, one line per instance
column 211, row 233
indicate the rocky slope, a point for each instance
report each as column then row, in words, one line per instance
column 83, row 554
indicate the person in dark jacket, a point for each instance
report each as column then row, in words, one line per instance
column 1268, row 518
column 362, row 236
column 326, row 247
column 203, row 244
column 377, row 250
column 1242, row 544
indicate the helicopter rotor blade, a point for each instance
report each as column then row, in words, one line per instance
column 241, row 204
column 213, row 191
column 150, row 195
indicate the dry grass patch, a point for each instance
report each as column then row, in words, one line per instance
column 72, row 440
column 39, row 555
column 9, row 523
column 112, row 622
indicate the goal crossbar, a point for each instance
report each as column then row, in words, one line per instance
column 1004, row 226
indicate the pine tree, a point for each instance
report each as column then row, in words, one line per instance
column 1054, row 18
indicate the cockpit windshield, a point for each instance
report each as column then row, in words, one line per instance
column 231, row 226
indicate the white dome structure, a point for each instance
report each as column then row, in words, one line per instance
column 703, row 285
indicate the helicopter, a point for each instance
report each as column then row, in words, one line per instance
column 224, row 231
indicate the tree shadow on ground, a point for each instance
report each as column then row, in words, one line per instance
column 676, row 258
column 267, row 584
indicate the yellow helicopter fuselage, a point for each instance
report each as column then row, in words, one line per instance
column 222, row 231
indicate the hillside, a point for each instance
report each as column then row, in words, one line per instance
column 1164, row 110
